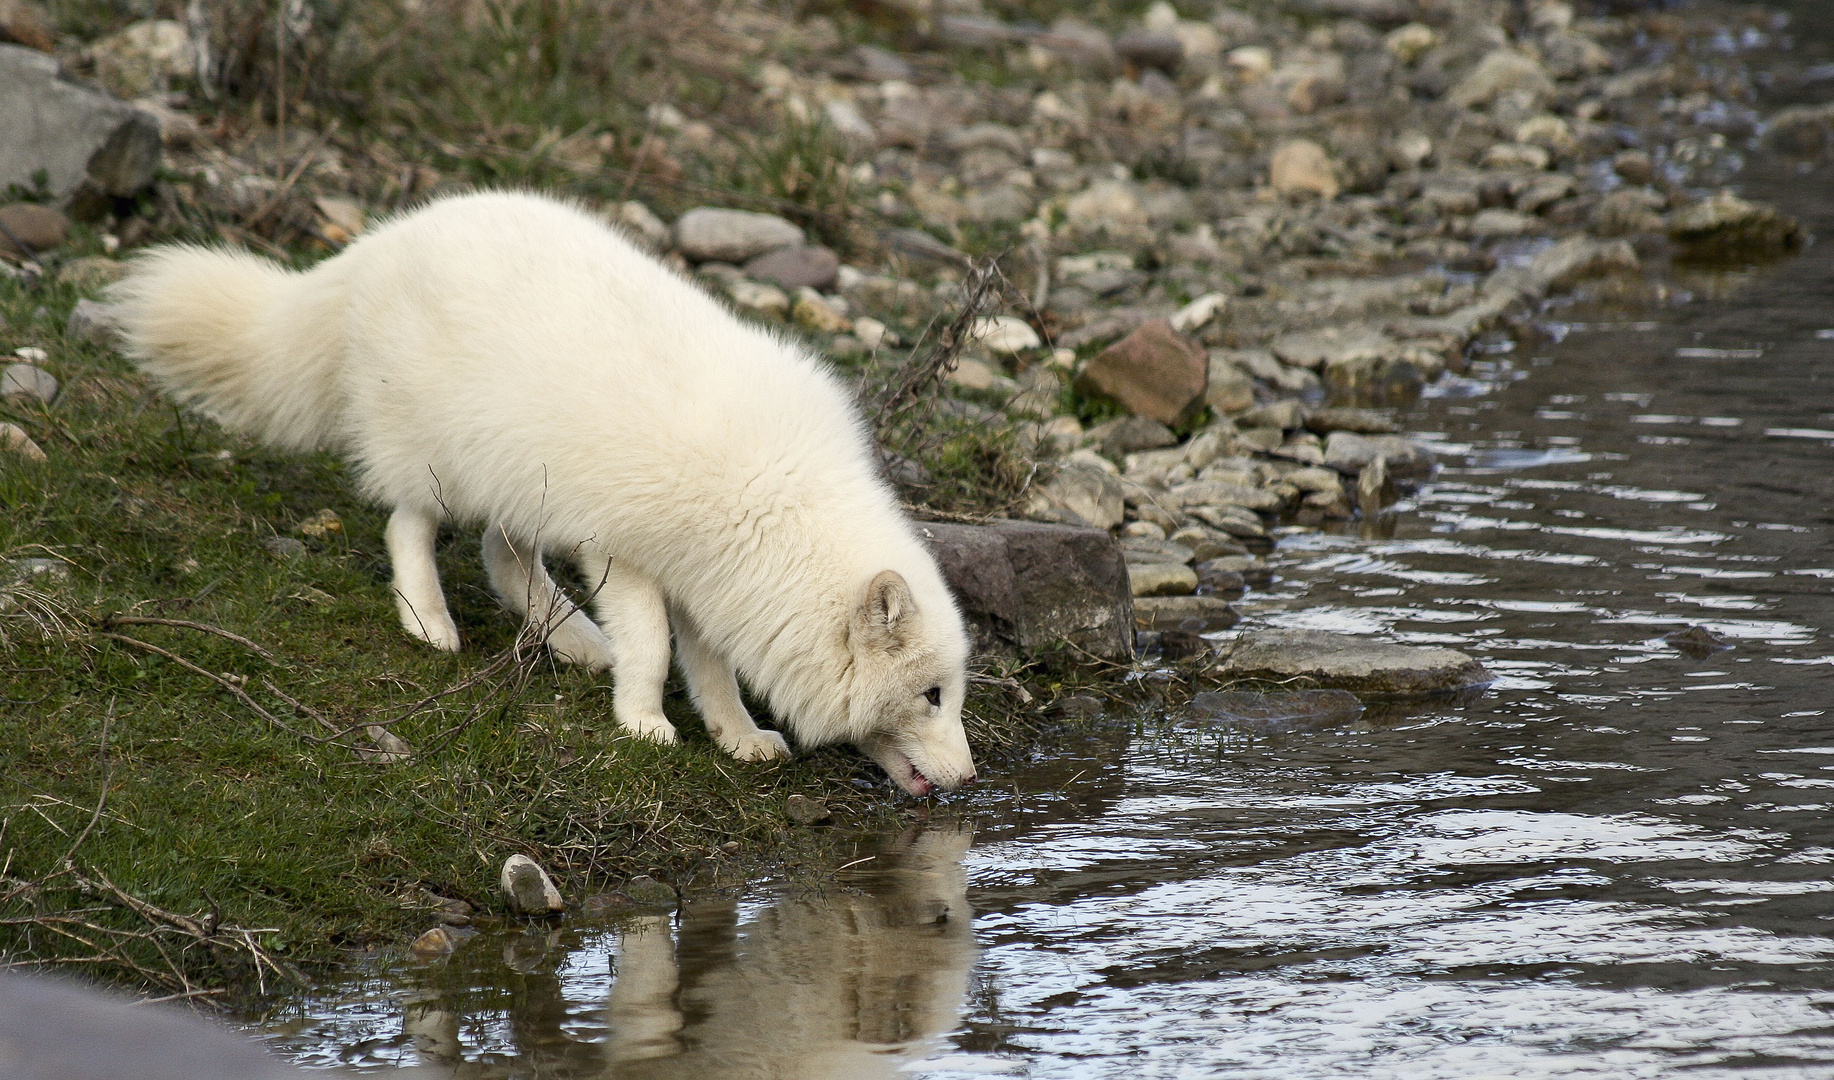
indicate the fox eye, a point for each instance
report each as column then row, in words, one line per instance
column 934, row 696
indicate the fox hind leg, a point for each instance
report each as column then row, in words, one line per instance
column 410, row 537
column 715, row 690
column 523, row 584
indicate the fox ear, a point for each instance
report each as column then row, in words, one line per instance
column 888, row 608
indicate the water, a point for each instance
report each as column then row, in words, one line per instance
column 1619, row 861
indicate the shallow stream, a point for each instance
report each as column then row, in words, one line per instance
column 1616, row 861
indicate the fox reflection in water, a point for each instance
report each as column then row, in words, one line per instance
column 846, row 984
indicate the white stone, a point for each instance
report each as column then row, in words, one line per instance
column 1198, row 313
column 870, row 331
column 713, row 234
column 1161, row 579
column 528, row 889
column 760, row 297
column 1302, row 167
column 13, row 439
column 642, row 222
column 28, row 381
column 972, row 374
column 1004, row 334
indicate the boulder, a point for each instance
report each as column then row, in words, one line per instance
column 144, row 57
column 1130, row 435
column 1161, row 579
column 807, row 266
column 1275, row 713
column 81, row 141
column 1153, row 372
column 714, row 234
column 1344, row 662
column 1027, row 586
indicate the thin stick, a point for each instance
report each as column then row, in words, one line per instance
column 145, row 620
column 240, row 693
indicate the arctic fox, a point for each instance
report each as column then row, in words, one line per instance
column 510, row 361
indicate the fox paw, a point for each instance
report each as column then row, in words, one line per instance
column 654, row 728
column 757, row 746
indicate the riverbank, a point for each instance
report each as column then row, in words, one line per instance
column 1330, row 207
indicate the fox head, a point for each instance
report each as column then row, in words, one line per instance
column 908, row 677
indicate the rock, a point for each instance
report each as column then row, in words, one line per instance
column 1004, row 334
column 713, row 234
column 527, row 888
column 997, row 204
column 92, row 272
column 1153, row 372
column 1549, row 132
column 29, row 382
column 440, row 941
column 1359, row 421
column 807, row 266
column 813, row 310
column 1409, row 150
column 1502, row 72
column 1498, row 223
column 1295, row 710
column 1627, row 212
column 1025, row 587
column 642, row 224
column 79, row 139
column 26, row 23
column 1221, row 493
column 1697, row 642
column 1516, row 157
column 1349, row 453
column 1161, row 579
column 283, row 547
column 1216, row 579
column 1090, row 497
column 39, row 228
column 1726, row 225
column 57, row 1029
column 1372, row 489
column 1145, row 550
column 1190, row 614
column 1197, row 314
column 14, row 440
column 345, row 219
column 1286, row 415
column 1409, row 43
column 1801, row 130
column 922, row 247
column 1634, row 167
column 1302, row 167
column 1106, row 204
column 1130, row 435
column 321, row 525
column 972, row 374
column 645, row 891
column 144, row 58
column 1562, row 266
column 1158, row 50
column 1229, row 389
column 806, row 811
column 759, row 297
column 1341, row 661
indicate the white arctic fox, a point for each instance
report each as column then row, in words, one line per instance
column 510, row 361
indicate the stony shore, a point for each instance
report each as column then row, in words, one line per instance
column 1234, row 242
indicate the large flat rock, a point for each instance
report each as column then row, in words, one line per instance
column 78, row 140
column 1027, row 586
column 1345, row 662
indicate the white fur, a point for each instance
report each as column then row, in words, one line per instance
column 510, row 362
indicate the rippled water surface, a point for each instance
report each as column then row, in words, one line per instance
column 1618, row 861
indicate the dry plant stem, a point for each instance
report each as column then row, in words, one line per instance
column 922, row 374
column 187, row 624
column 240, row 694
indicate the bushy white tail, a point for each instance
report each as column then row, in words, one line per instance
column 252, row 345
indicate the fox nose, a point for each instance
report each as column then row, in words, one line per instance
column 970, row 778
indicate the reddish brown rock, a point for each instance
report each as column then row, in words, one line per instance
column 1154, row 372
column 37, row 227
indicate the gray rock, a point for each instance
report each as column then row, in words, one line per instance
column 14, row 440
column 1223, row 493
column 284, row 547
column 1502, row 72
column 1143, row 550
column 51, row 1029
column 1214, row 578
column 528, row 889
column 1026, row 587
column 79, row 139
column 1341, row 661
column 1357, row 421
column 920, row 246
column 713, row 234
column 1129, row 435
column 1190, row 614
column 810, row 266
column 806, row 811
column 28, row 381
column 1285, row 415
column 1349, row 453
column 92, row 322
column 1158, row 50
column 1161, row 579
